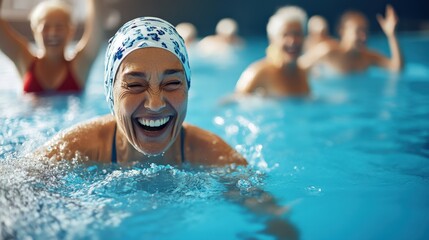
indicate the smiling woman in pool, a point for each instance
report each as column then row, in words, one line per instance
column 146, row 81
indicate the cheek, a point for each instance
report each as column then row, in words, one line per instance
column 300, row 39
column 125, row 103
column 277, row 44
column 179, row 100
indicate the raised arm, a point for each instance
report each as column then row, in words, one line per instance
column 93, row 36
column 388, row 25
column 316, row 54
column 14, row 45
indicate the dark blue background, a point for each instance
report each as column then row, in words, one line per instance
column 252, row 15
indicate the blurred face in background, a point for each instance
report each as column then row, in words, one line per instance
column 53, row 31
column 290, row 40
column 353, row 30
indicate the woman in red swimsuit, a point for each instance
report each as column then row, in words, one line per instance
column 49, row 70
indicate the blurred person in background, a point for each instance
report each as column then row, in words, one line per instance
column 224, row 41
column 50, row 69
column 351, row 53
column 318, row 32
column 278, row 74
column 188, row 32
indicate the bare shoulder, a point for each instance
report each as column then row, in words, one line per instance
column 260, row 66
column 253, row 76
column 91, row 139
column 95, row 127
column 324, row 48
column 319, row 52
column 204, row 147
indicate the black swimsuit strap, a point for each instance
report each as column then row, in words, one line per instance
column 114, row 157
column 182, row 144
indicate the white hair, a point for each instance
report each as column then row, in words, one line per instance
column 46, row 6
column 317, row 24
column 227, row 27
column 186, row 30
column 283, row 16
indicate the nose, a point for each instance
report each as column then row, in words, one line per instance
column 50, row 31
column 154, row 102
column 293, row 39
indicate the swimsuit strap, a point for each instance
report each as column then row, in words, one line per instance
column 114, row 160
column 182, row 143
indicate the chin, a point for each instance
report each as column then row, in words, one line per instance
column 290, row 57
column 152, row 150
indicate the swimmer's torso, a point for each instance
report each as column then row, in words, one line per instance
column 345, row 62
column 271, row 80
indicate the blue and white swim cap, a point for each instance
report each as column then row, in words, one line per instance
column 140, row 33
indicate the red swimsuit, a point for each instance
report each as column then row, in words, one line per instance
column 32, row 85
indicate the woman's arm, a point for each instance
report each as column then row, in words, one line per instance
column 15, row 46
column 93, row 36
column 316, row 54
column 263, row 205
column 388, row 24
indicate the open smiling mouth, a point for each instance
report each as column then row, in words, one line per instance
column 153, row 125
column 292, row 50
column 53, row 42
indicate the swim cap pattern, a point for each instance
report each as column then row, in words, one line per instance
column 140, row 33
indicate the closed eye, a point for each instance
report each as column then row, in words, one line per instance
column 136, row 86
column 131, row 85
column 172, row 85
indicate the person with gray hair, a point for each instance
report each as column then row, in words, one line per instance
column 278, row 74
column 317, row 32
column 49, row 70
column 188, row 32
column 224, row 42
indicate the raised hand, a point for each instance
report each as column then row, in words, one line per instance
column 388, row 24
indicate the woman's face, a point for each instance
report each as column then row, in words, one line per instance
column 354, row 31
column 53, row 31
column 151, row 98
column 290, row 40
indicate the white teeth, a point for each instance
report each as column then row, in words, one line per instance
column 52, row 41
column 153, row 123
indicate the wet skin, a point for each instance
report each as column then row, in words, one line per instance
column 151, row 99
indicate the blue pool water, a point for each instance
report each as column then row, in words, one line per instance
column 351, row 162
